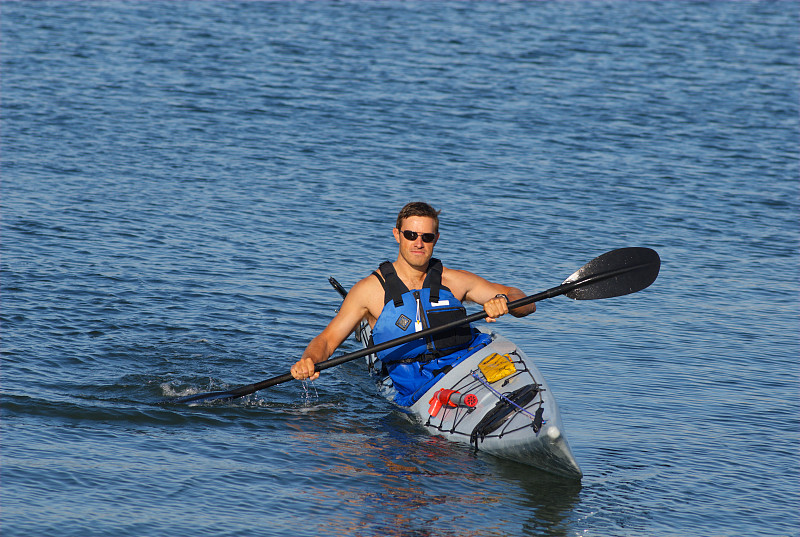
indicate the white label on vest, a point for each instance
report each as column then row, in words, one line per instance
column 440, row 303
column 418, row 322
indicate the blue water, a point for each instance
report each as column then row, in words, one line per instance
column 179, row 179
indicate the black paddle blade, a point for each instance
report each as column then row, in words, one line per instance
column 201, row 397
column 241, row 391
column 615, row 273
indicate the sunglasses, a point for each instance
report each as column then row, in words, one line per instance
column 412, row 236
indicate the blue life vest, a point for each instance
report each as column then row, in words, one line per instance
column 417, row 365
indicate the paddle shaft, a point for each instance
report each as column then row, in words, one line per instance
column 639, row 266
column 550, row 293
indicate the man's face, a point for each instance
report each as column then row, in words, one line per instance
column 411, row 238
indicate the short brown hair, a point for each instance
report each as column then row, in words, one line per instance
column 418, row 208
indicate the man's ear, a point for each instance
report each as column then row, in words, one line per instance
column 396, row 233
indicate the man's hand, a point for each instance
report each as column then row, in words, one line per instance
column 304, row 370
column 495, row 308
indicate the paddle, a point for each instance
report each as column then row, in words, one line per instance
column 615, row 273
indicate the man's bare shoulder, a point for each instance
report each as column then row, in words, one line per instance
column 466, row 285
column 458, row 275
column 460, row 282
column 367, row 294
column 370, row 283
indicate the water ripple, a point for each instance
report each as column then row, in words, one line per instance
column 180, row 180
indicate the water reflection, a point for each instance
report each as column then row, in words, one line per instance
column 390, row 478
column 552, row 499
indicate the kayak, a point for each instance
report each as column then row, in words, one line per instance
column 494, row 400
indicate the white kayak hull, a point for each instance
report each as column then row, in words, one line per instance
column 524, row 425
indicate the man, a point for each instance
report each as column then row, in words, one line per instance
column 411, row 294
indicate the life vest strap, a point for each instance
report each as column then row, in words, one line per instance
column 394, row 288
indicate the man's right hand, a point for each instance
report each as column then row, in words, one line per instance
column 304, row 370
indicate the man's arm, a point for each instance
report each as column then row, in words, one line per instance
column 497, row 306
column 352, row 311
column 482, row 291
